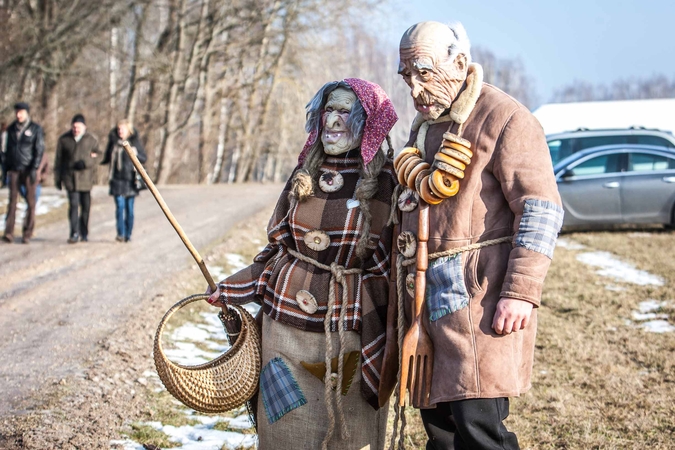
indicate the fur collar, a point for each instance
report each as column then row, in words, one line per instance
column 465, row 102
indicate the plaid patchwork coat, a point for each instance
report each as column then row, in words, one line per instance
column 275, row 277
column 509, row 189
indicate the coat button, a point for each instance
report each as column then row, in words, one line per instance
column 407, row 244
column 408, row 200
column 331, row 181
column 317, row 240
column 306, row 301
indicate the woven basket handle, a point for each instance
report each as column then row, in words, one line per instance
column 182, row 304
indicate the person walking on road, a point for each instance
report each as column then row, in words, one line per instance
column 3, row 144
column 24, row 147
column 122, row 175
column 75, row 169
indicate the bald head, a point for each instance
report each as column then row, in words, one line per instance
column 434, row 63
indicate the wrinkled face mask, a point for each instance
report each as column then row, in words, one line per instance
column 434, row 79
column 336, row 137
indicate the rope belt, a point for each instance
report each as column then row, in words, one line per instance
column 401, row 263
column 338, row 273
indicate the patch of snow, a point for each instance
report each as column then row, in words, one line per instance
column 569, row 244
column 614, row 288
column 204, row 437
column 648, row 316
column 126, row 444
column 46, row 203
column 188, row 354
column 610, row 266
column 640, row 234
column 651, row 321
column 650, row 305
column 236, row 262
column 658, row 326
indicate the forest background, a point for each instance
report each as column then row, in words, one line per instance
column 217, row 88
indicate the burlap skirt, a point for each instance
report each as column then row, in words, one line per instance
column 292, row 410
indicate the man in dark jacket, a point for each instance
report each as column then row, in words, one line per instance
column 75, row 169
column 23, row 154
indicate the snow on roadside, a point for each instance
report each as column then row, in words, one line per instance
column 569, row 244
column 649, row 320
column 610, row 266
column 46, row 203
column 202, row 436
column 192, row 343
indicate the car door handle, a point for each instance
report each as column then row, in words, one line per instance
column 669, row 179
column 611, row 185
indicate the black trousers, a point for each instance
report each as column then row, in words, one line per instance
column 78, row 212
column 474, row 424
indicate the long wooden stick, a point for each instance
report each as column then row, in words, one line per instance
column 165, row 209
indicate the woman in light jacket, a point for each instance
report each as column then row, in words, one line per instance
column 122, row 175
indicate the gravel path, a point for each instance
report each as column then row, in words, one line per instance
column 57, row 301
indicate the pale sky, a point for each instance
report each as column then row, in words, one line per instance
column 598, row 41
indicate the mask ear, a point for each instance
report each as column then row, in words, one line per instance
column 460, row 63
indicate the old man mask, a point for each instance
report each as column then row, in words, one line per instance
column 434, row 63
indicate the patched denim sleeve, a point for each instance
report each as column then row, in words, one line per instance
column 539, row 226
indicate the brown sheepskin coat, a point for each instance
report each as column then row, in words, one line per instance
column 510, row 173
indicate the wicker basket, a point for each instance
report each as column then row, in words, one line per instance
column 223, row 384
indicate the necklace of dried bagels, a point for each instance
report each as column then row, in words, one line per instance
column 440, row 181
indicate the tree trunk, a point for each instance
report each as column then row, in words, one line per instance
column 222, row 134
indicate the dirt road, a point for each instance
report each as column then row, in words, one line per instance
column 58, row 300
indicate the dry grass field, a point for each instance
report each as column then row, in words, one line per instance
column 600, row 380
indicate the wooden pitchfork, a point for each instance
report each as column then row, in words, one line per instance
column 418, row 351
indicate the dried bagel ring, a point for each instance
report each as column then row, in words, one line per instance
column 426, row 193
column 410, row 178
column 408, row 200
column 452, row 137
column 434, row 190
column 450, row 169
column 403, row 160
column 459, row 148
column 403, row 168
column 407, row 244
column 459, row 156
column 444, row 183
column 405, row 151
column 420, row 176
column 449, row 160
column 410, row 167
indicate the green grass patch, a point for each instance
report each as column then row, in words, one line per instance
column 145, row 434
column 225, row 426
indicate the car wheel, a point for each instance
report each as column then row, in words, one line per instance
column 671, row 225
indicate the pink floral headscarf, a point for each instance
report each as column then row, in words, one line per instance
column 380, row 118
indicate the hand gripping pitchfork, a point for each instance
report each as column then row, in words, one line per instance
column 418, row 351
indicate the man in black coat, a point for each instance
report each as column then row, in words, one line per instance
column 75, row 169
column 23, row 153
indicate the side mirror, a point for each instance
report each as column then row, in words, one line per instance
column 567, row 174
